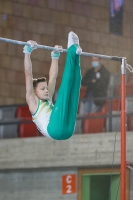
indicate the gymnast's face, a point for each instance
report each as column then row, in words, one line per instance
column 41, row 91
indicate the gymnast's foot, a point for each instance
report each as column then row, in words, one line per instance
column 73, row 39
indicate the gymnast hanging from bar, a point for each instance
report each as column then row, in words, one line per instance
column 55, row 121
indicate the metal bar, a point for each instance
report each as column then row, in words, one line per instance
column 115, row 58
column 15, row 121
column 123, row 131
column 19, row 121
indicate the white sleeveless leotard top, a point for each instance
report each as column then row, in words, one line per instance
column 42, row 116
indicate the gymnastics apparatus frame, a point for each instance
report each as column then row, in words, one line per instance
column 123, row 105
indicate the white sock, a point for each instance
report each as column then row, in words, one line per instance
column 72, row 39
column 78, row 51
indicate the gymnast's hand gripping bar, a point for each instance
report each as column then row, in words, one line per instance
column 115, row 58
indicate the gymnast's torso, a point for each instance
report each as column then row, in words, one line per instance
column 42, row 116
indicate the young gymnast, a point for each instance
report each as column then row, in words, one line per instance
column 55, row 121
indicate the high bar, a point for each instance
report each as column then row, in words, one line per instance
column 115, row 58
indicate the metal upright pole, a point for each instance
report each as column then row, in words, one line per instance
column 123, row 131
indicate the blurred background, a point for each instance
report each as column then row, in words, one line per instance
column 32, row 166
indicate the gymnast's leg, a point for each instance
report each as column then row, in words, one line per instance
column 74, row 97
column 63, row 116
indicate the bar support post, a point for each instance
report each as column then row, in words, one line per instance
column 123, row 131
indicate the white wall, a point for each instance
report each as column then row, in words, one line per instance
column 80, row 150
column 34, row 185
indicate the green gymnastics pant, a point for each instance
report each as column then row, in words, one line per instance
column 63, row 117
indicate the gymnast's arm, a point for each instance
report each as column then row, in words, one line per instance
column 53, row 73
column 30, row 96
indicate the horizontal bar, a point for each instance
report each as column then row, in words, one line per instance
column 115, row 58
column 79, row 116
column 16, row 121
